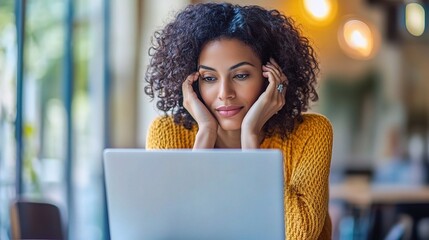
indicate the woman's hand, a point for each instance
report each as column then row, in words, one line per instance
column 207, row 124
column 268, row 104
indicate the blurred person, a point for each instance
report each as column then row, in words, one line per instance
column 402, row 168
column 230, row 76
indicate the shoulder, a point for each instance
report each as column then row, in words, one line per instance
column 314, row 128
column 165, row 133
column 314, row 123
column 163, row 123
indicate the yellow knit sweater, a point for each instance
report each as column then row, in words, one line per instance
column 307, row 157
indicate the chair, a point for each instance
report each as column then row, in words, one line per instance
column 402, row 230
column 35, row 220
column 423, row 228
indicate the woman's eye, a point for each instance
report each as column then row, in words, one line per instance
column 208, row 79
column 241, row 76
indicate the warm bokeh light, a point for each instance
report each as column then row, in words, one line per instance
column 320, row 11
column 318, row 8
column 415, row 19
column 357, row 39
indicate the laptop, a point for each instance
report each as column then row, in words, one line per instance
column 186, row 194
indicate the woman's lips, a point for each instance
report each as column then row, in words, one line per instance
column 228, row 111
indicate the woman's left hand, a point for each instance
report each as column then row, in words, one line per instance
column 269, row 103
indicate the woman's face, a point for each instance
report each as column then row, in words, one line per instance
column 230, row 80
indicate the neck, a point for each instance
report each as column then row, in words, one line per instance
column 228, row 139
column 231, row 139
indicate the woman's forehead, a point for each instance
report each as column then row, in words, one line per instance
column 226, row 52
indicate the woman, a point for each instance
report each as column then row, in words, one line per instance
column 241, row 77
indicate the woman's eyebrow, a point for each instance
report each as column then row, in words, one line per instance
column 241, row 64
column 231, row 68
column 207, row 68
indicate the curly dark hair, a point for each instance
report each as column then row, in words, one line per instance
column 176, row 48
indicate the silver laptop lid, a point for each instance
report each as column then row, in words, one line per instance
column 185, row 194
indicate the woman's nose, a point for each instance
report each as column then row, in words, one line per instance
column 226, row 90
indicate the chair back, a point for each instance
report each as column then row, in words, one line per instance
column 402, row 230
column 35, row 220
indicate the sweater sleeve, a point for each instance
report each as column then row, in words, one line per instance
column 307, row 195
column 163, row 133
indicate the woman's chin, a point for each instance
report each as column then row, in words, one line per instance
column 229, row 125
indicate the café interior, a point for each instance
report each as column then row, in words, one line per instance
column 71, row 85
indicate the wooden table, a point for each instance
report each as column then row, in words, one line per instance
column 359, row 191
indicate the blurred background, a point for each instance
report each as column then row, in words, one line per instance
column 71, row 84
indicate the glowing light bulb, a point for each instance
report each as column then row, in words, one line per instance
column 320, row 11
column 356, row 39
column 318, row 8
column 415, row 19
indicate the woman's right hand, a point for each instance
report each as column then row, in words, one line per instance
column 207, row 123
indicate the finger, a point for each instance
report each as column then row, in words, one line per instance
column 193, row 77
column 273, row 62
column 271, row 67
column 280, row 98
column 190, row 80
column 283, row 77
column 277, row 82
column 280, row 77
column 187, row 89
column 273, row 84
column 275, row 77
column 276, row 66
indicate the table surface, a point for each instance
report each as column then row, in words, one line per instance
column 360, row 191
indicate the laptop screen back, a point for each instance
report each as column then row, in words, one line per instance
column 185, row 194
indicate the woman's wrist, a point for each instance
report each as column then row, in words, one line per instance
column 249, row 140
column 206, row 137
